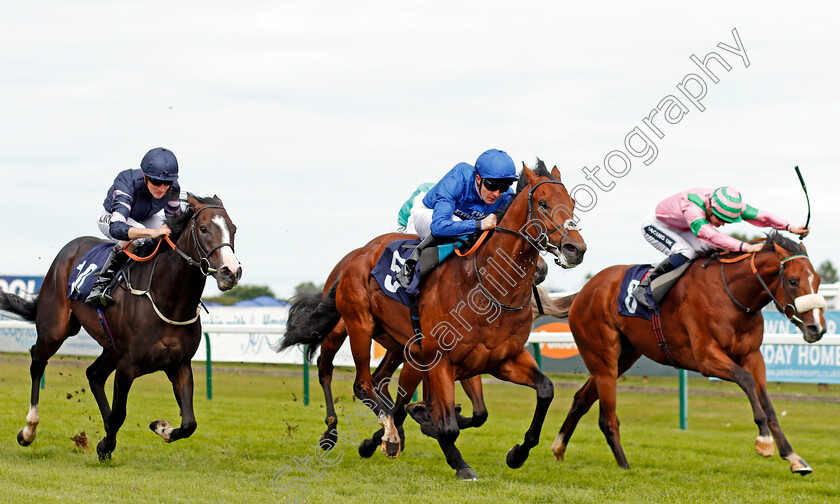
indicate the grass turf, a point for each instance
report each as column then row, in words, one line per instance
column 255, row 433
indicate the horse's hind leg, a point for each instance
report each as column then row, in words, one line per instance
column 409, row 379
column 51, row 335
column 754, row 364
column 329, row 348
column 182, row 385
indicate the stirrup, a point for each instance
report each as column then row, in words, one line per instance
column 406, row 273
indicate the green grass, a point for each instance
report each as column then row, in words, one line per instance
column 256, row 425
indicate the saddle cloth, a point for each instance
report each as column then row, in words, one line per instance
column 86, row 271
column 391, row 262
column 655, row 293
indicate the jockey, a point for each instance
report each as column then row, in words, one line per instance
column 130, row 212
column 463, row 202
column 686, row 222
column 405, row 209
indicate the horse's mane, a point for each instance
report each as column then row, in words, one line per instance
column 773, row 238
column 180, row 222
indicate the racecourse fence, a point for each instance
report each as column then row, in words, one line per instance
column 248, row 335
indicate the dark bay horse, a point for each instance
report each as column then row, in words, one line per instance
column 712, row 323
column 154, row 329
column 474, row 312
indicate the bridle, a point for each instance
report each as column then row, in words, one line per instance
column 203, row 264
column 540, row 243
column 788, row 308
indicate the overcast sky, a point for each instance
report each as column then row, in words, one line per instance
column 314, row 120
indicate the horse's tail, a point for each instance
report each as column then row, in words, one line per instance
column 562, row 305
column 311, row 318
column 558, row 308
column 17, row 305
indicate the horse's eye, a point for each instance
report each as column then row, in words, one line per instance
column 203, row 229
column 793, row 282
column 543, row 204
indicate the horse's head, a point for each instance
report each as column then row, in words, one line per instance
column 211, row 235
column 799, row 282
column 550, row 223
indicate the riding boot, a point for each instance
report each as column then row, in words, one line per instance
column 99, row 295
column 406, row 273
column 660, row 269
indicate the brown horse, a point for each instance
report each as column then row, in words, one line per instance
column 711, row 322
column 389, row 364
column 156, row 329
column 473, row 311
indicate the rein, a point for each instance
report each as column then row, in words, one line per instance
column 536, row 243
column 791, row 315
column 203, row 264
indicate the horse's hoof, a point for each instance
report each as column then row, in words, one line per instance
column 162, row 429
column 102, row 451
column 764, row 446
column 466, row 474
column 328, row 440
column 514, row 461
column 798, row 465
column 21, row 440
column 558, row 448
column 390, row 449
column 367, row 448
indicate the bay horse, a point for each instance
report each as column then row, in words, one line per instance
column 711, row 322
column 473, row 311
column 156, row 329
column 382, row 377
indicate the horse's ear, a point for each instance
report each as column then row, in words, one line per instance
column 530, row 175
column 217, row 198
column 194, row 203
column 780, row 250
column 555, row 173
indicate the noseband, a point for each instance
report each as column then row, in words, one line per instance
column 541, row 242
column 203, row 264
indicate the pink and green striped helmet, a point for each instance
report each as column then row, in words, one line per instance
column 727, row 204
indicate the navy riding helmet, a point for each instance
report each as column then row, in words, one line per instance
column 495, row 164
column 160, row 164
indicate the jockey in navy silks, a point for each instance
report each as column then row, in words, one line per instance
column 130, row 212
column 462, row 203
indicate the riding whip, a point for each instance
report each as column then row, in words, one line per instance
column 802, row 181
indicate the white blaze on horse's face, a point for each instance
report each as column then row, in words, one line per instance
column 228, row 259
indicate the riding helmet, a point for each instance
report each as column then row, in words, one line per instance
column 495, row 164
column 160, row 164
column 727, row 204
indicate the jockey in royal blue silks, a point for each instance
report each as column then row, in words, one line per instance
column 463, row 202
column 130, row 212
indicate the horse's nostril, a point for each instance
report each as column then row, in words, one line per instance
column 568, row 248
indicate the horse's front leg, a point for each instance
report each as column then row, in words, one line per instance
column 754, row 364
column 472, row 386
column 440, row 416
column 522, row 369
column 123, row 379
column 182, row 385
